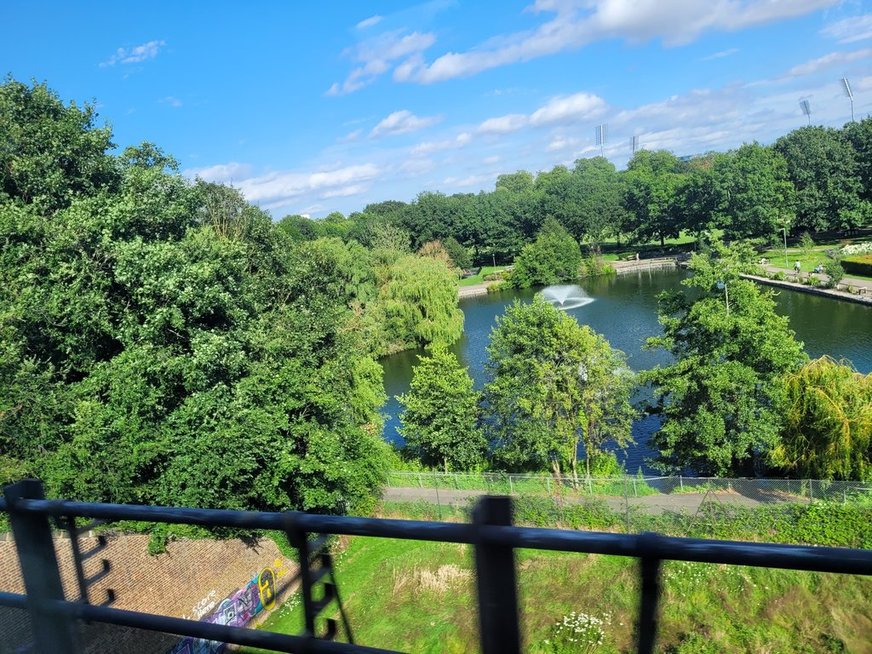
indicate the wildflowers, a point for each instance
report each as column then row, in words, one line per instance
column 578, row 633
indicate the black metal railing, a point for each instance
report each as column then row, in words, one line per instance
column 491, row 533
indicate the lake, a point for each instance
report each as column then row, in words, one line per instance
column 624, row 310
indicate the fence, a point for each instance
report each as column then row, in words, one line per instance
column 756, row 490
column 635, row 499
column 491, row 533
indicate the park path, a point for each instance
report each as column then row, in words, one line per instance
column 854, row 282
column 653, row 504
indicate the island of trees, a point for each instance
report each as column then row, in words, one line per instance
column 163, row 341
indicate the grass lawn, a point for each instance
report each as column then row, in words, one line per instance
column 808, row 260
column 420, row 597
column 479, row 278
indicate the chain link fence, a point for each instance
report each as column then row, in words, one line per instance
column 707, row 506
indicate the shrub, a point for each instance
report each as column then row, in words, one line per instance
column 834, row 270
column 595, row 266
column 858, row 265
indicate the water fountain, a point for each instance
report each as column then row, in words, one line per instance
column 566, row 296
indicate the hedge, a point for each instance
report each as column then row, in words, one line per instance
column 858, row 265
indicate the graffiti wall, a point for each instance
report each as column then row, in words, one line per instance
column 238, row 609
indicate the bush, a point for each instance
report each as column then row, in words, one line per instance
column 858, row 265
column 834, row 270
column 595, row 266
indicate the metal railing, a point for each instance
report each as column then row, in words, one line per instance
column 491, row 533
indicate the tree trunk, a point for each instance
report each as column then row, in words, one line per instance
column 662, row 242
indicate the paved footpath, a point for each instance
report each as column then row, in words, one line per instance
column 654, row 504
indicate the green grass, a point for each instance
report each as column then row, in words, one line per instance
column 420, row 597
column 479, row 278
column 524, row 484
column 808, row 260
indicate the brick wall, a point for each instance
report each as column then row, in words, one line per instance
column 188, row 581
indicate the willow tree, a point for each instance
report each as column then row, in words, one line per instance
column 828, row 426
column 417, row 304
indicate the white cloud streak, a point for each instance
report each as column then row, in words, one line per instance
column 402, row 122
column 850, row 30
column 135, row 54
column 580, row 22
column 828, row 61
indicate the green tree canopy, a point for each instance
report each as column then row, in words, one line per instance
column 722, row 398
column 822, row 166
column 553, row 384
column 440, row 413
column 652, row 179
column 50, row 153
column 828, row 427
column 553, row 257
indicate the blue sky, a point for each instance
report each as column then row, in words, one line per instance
column 313, row 107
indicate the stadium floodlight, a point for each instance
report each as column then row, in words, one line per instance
column 634, row 143
column 602, row 132
column 806, row 109
column 847, row 86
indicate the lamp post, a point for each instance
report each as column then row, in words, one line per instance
column 784, row 229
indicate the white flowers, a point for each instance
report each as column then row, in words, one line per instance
column 579, row 632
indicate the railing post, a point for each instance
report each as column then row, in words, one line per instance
column 495, row 580
column 39, row 569
column 650, row 596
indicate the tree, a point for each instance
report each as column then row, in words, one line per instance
column 459, row 254
column 859, row 134
column 440, row 413
column 828, row 427
column 756, row 191
column 651, row 181
column 417, row 305
column 553, row 384
column 822, row 166
column 721, row 399
column 51, row 153
column 553, row 257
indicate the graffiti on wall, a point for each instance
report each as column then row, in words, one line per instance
column 238, row 609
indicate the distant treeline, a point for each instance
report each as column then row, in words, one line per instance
column 813, row 179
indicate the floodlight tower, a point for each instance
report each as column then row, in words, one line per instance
column 806, row 109
column 601, row 135
column 634, row 144
column 847, row 86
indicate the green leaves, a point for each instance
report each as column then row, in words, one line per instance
column 553, row 384
column 722, row 398
column 553, row 257
column 440, row 417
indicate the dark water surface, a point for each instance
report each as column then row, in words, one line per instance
column 625, row 312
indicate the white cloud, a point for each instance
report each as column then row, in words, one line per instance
column 850, row 30
column 469, row 180
column 828, row 61
column 345, row 191
column 581, row 22
column 376, row 55
column 279, row 188
column 135, row 54
column 435, row 146
column 571, row 108
column 171, row 101
column 402, row 122
column 491, row 159
column 372, row 21
column 221, row 173
column 503, row 124
column 721, row 54
column 351, row 136
column 562, row 143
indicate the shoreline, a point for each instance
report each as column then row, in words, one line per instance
column 865, row 300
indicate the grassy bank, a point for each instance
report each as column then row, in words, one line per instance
column 479, row 278
column 420, row 597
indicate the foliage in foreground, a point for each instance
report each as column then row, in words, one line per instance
column 553, row 384
column 164, row 342
column 723, row 397
column 828, row 426
column 440, row 413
